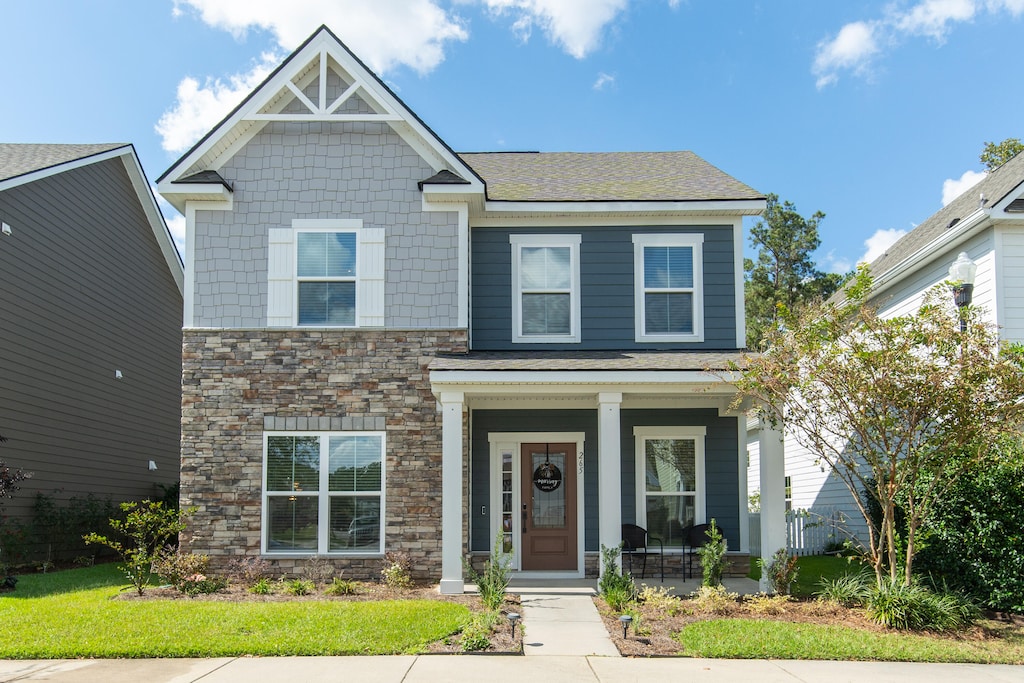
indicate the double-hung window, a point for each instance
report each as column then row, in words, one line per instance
column 668, row 287
column 545, row 288
column 670, row 480
column 323, row 493
column 326, row 278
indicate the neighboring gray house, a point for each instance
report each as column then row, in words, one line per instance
column 90, row 325
column 987, row 223
column 390, row 346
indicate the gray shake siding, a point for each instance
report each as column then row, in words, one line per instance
column 720, row 462
column 325, row 171
column 86, row 292
column 606, row 280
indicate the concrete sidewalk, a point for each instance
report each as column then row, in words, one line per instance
column 494, row 669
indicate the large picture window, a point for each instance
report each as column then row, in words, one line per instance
column 668, row 287
column 323, row 493
column 670, row 481
column 545, row 288
column 326, row 269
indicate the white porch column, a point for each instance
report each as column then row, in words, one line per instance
column 773, row 493
column 609, row 476
column 451, row 492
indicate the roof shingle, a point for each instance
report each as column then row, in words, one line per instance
column 604, row 176
column 19, row 159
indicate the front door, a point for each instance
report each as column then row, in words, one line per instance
column 549, row 506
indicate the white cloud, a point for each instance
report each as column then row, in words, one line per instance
column 603, row 80
column 879, row 243
column 852, row 48
column 858, row 44
column 384, row 33
column 574, row 25
column 953, row 188
column 200, row 107
column 836, row 264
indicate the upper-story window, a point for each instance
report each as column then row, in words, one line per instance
column 668, row 288
column 545, row 288
column 325, row 273
column 326, row 282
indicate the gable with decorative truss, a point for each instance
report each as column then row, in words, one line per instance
column 322, row 81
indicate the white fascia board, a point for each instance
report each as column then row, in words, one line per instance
column 744, row 207
column 999, row 209
column 66, row 166
column 947, row 241
column 612, row 220
column 178, row 194
column 144, row 191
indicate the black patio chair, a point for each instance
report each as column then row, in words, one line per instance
column 696, row 537
column 636, row 541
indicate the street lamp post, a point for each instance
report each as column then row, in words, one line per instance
column 961, row 275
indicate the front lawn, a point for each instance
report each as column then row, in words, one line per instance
column 813, row 568
column 77, row 613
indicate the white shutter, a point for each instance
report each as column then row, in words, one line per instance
column 280, row 278
column 370, row 288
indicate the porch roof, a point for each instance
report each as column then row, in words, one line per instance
column 591, row 361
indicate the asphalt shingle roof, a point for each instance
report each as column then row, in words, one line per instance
column 604, row 176
column 995, row 186
column 590, row 360
column 19, row 159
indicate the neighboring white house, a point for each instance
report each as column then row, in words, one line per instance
column 987, row 223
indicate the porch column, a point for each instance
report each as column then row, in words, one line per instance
column 773, row 493
column 451, row 492
column 609, row 475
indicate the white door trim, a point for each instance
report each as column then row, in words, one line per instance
column 501, row 442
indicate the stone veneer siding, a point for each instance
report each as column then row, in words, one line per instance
column 238, row 383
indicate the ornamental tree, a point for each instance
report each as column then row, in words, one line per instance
column 898, row 407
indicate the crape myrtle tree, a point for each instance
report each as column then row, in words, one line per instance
column 899, row 406
column 783, row 272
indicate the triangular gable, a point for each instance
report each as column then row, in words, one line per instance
column 321, row 81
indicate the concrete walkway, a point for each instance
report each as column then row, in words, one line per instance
column 501, row 669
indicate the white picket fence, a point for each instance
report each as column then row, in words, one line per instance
column 808, row 531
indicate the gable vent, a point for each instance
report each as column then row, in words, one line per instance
column 1016, row 206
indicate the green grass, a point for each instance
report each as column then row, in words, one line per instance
column 74, row 614
column 813, row 568
column 762, row 639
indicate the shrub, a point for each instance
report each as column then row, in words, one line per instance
column 848, row 590
column 660, row 599
column 781, row 571
column 914, row 607
column 262, row 586
column 146, row 526
column 476, row 635
column 196, row 584
column 712, row 556
column 494, row 580
column 15, row 542
column 340, row 586
column 59, row 527
column 318, row 570
column 299, row 587
column 176, row 568
column 714, row 600
column 249, row 569
column 395, row 572
column 615, row 587
column 768, row 605
column 971, row 540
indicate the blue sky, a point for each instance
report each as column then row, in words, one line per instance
column 867, row 111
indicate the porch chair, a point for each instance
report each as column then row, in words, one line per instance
column 636, row 541
column 696, row 537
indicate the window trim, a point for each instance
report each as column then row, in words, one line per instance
column 329, row 225
column 521, row 241
column 698, row 435
column 323, row 496
column 696, row 242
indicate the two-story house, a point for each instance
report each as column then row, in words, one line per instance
column 390, row 346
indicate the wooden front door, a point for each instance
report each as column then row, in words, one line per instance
column 549, row 506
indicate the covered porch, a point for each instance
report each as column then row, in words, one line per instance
column 548, row 455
